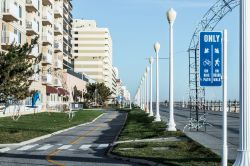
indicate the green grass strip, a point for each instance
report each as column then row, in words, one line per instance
column 35, row 125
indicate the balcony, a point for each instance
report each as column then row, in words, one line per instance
column 58, row 46
column 47, row 79
column 32, row 28
column 10, row 11
column 47, row 59
column 47, row 18
column 58, row 29
column 57, row 82
column 58, row 64
column 47, row 2
column 9, row 38
column 58, row 12
column 34, row 52
column 32, row 5
column 47, row 39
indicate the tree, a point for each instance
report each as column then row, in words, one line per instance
column 97, row 92
column 15, row 70
column 77, row 94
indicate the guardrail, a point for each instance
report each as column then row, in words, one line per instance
column 233, row 106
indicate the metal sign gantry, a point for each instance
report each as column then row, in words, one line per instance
column 209, row 21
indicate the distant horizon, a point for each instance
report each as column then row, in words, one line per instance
column 136, row 25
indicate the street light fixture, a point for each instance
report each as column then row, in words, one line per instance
column 171, row 15
column 151, row 59
column 157, row 48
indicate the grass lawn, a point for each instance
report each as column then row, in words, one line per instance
column 140, row 126
column 31, row 126
column 174, row 153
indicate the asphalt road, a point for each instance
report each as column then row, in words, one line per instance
column 86, row 145
column 212, row 136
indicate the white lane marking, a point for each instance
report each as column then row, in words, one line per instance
column 4, row 150
column 45, row 147
column 27, row 147
column 64, row 147
column 102, row 146
column 85, row 147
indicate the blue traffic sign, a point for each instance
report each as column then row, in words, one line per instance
column 210, row 58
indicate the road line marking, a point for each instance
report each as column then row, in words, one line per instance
column 102, row 146
column 45, row 147
column 3, row 150
column 53, row 153
column 27, row 147
column 85, row 147
column 64, row 147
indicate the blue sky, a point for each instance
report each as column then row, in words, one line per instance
column 135, row 25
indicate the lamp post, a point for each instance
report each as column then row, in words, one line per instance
column 243, row 156
column 151, row 95
column 145, row 91
column 147, row 103
column 142, row 94
column 171, row 15
column 157, row 116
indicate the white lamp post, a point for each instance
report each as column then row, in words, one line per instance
column 147, row 103
column 171, row 15
column 145, row 92
column 141, row 94
column 157, row 115
column 243, row 156
column 151, row 94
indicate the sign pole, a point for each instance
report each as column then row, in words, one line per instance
column 225, row 147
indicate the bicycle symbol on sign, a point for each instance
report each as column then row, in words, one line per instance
column 207, row 63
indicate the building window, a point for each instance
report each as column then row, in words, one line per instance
column 19, row 37
column 76, row 38
column 76, row 32
column 20, row 11
column 76, row 45
column 75, row 51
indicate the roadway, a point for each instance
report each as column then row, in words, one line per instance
column 85, row 145
column 212, row 136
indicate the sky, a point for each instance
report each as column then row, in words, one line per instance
column 135, row 25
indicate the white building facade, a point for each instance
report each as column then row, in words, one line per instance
column 92, row 50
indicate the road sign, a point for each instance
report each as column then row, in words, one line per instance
column 210, row 58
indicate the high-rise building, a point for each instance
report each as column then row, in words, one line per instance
column 92, row 49
column 23, row 20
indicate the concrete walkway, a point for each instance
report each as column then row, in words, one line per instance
column 212, row 138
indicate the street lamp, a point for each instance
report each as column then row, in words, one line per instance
column 145, row 92
column 151, row 59
column 141, row 93
column 147, row 72
column 243, row 156
column 171, row 15
column 157, row 116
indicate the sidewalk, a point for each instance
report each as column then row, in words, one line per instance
column 212, row 138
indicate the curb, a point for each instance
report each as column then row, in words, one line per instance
column 48, row 135
column 133, row 160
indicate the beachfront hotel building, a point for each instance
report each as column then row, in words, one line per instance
column 92, row 50
column 51, row 20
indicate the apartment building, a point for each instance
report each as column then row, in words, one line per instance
column 92, row 50
column 23, row 20
column 68, row 61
